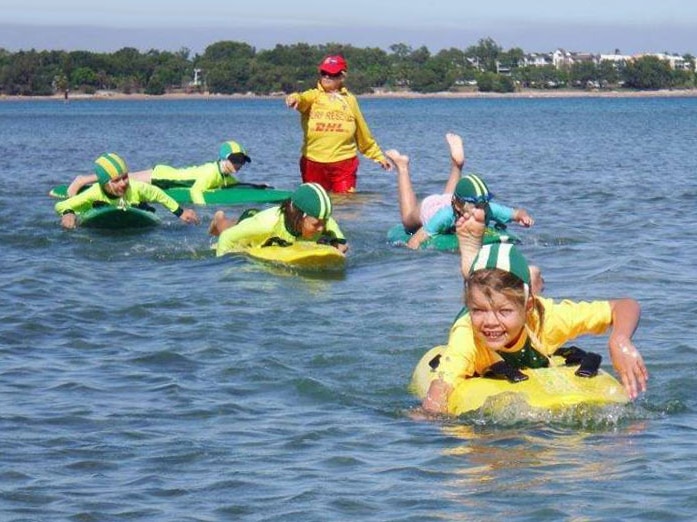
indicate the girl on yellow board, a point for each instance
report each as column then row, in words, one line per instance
column 305, row 216
column 506, row 328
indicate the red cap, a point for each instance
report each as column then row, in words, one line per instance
column 333, row 64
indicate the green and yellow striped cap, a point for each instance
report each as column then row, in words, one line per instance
column 109, row 166
column 313, row 200
column 503, row 256
column 234, row 149
column 472, row 189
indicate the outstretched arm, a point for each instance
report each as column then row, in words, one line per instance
column 189, row 216
column 69, row 220
column 292, row 101
column 417, row 238
column 521, row 216
column 436, row 400
column 79, row 182
column 626, row 359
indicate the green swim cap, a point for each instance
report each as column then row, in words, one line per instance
column 313, row 200
column 472, row 189
column 234, row 149
column 503, row 256
column 109, row 166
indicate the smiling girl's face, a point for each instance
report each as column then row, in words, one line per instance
column 498, row 311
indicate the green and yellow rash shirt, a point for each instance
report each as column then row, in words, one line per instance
column 255, row 230
column 334, row 128
column 466, row 357
column 136, row 193
column 202, row 177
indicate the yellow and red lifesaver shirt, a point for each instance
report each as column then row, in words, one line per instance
column 465, row 357
column 136, row 193
column 334, row 128
column 255, row 230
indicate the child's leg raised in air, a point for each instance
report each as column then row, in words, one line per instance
column 457, row 161
column 408, row 204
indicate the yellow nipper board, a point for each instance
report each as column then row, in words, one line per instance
column 302, row 255
column 547, row 388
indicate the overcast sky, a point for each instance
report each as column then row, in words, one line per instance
column 631, row 26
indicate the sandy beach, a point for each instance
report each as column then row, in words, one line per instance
column 526, row 93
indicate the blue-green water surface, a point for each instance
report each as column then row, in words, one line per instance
column 143, row 379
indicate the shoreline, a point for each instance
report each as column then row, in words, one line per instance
column 528, row 93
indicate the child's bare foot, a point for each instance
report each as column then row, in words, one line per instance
column 401, row 161
column 214, row 229
column 470, row 231
column 457, row 149
column 471, row 226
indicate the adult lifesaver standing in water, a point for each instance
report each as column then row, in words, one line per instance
column 305, row 216
column 334, row 130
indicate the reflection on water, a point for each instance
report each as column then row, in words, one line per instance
column 492, row 466
column 144, row 378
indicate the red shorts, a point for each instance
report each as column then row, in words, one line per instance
column 339, row 176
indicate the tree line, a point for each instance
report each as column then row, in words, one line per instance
column 229, row 67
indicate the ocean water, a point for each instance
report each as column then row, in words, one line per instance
column 143, row 379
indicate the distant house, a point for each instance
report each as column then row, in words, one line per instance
column 617, row 59
column 676, row 62
column 560, row 59
column 563, row 59
column 537, row 60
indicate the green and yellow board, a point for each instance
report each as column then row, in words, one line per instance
column 234, row 195
column 448, row 242
column 115, row 218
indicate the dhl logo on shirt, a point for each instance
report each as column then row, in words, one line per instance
column 328, row 127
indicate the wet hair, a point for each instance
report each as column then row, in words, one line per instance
column 495, row 280
column 292, row 217
column 238, row 158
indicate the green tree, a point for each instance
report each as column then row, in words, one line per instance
column 436, row 75
column 511, row 59
column 227, row 67
column 286, row 68
column 608, row 73
column 546, row 77
column 84, row 76
column 155, row 86
column 583, row 74
column 401, row 64
column 25, row 75
column 485, row 53
column 648, row 72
